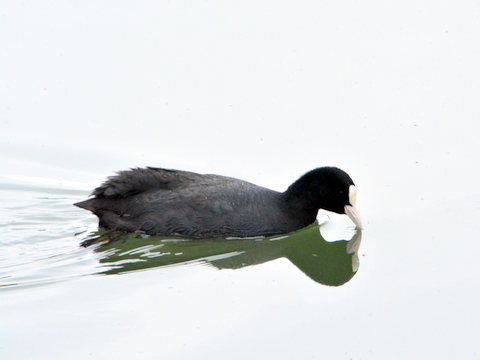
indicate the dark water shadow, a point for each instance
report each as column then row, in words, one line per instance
column 330, row 263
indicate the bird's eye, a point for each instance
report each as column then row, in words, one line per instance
column 340, row 193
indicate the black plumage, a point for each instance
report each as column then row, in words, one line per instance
column 190, row 205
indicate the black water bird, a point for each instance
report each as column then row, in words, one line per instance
column 166, row 202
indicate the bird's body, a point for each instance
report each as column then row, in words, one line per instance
column 185, row 204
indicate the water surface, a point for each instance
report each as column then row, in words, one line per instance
column 387, row 91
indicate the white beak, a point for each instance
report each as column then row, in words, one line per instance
column 352, row 210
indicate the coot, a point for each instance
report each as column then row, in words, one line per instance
column 180, row 203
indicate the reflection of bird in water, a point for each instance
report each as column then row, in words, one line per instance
column 327, row 262
column 189, row 205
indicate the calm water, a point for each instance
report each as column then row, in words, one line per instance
column 401, row 294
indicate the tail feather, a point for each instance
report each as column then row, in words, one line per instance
column 86, row 204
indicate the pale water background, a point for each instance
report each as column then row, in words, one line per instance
column 263, row 92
